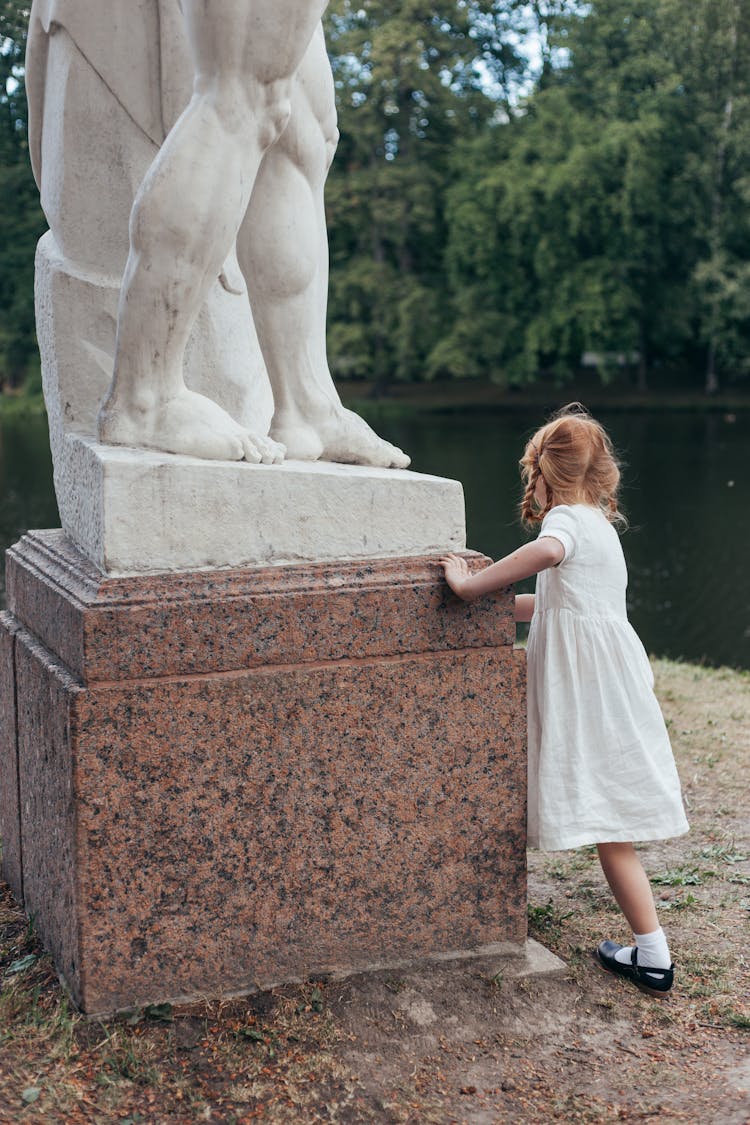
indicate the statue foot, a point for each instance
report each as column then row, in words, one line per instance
column 186, row 423
column 341, row 436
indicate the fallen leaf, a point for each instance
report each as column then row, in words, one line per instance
column 19, row 966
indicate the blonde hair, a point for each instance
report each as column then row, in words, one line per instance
column 574, row 456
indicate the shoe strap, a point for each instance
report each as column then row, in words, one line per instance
column 650, row 969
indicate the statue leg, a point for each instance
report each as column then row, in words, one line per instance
column 186, row 217
column 283, row 252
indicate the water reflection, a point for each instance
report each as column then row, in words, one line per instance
column 687, row 495
column 27, row 497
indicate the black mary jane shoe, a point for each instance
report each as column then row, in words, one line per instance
column 656, row 981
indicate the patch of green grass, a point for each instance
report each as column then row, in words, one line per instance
column 127, row 1056
column 704, row 975
column 683, row 903
column 725, row 852
column 580, row 860
column 547, row 920
column 36, row 1017
column 557, row 869
column 593, row 897
column 680, row 877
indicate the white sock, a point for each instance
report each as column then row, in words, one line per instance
column 653, row 951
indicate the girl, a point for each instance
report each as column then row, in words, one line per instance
column 601, row 769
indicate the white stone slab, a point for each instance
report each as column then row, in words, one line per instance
column 136, row 512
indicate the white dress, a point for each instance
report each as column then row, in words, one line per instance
column 600, row 763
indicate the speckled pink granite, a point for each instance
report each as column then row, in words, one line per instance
column 230, row 779
column 50, row 837
column 10, row 820
column 230, row 620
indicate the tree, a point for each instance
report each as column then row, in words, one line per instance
column 412, row 79
column 587, row 247
column 609, row 214
column 487, row 220
column 715, row 64
column 21, row 218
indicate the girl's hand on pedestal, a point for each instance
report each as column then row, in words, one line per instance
column 456, row 573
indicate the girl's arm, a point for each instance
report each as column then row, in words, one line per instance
column 527, row 560
column 524, row 607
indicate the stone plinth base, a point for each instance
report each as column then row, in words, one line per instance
column 135, row 512
column 218, row 781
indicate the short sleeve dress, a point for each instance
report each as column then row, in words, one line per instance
column 601, row 767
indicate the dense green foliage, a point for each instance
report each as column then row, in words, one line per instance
column 618, row 200
column 413, row 86
column 21, row 218
column 484, row 223
column 605, row 213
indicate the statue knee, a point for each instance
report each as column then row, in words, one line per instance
column 275, row 112
column 153, row 239
column 252, row 109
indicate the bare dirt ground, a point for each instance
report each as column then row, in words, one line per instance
column 459, row 1043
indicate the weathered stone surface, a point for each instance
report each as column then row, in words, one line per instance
column 139, row 512
column 344, row 790
column 227, row 215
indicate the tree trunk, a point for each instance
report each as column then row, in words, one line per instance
column 712, row 379
column 381, row 372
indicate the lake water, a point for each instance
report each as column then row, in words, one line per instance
column 687, row 496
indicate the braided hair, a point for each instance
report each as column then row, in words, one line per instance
column 574, row 457
column 531, row 512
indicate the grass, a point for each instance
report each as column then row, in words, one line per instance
column 248, row 1053
column 546, row 921
column 184, row 1060
column 727, row 853
column 679, row 877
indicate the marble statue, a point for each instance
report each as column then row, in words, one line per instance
column 211, row 313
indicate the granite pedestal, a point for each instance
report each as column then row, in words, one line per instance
column 217, row 781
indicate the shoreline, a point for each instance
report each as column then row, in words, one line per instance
column 468, row 395
column 474, row 395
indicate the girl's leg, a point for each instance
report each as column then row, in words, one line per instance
column 629, row 884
